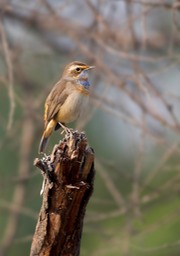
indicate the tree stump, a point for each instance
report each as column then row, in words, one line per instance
column 68, row 184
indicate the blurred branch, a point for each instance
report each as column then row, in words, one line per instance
column 138, row 168
column 169, row 153
column 176, row 6
column 9, row 64
column 115, row 193
column 15, row 209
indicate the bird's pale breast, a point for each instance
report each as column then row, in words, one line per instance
column 73, row 106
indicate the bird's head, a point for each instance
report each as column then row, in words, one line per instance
column 77, row 70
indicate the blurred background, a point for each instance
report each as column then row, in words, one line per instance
column 132, row 123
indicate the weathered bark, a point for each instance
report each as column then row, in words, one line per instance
column 68, row 185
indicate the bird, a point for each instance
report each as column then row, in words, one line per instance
column 66, row 101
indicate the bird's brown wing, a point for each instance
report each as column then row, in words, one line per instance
column 54, row 101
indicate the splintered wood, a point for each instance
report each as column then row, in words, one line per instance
column 68, row 184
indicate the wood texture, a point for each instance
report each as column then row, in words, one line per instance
column 68, row 184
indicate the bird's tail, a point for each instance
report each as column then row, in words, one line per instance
column 45, row 137
column 43, row 143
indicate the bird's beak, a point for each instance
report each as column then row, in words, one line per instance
column 90, row 67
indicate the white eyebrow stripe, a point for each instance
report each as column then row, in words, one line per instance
column 72, row 67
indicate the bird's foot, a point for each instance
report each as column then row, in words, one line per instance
column 65, row 129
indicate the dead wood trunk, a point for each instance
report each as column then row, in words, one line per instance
column 68, row 185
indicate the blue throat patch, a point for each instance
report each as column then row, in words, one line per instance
column 84, row 83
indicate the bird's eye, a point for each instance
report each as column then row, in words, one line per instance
column 78, row 69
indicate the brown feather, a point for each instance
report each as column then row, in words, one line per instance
column 54, row 101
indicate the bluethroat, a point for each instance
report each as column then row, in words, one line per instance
column 67, row 99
